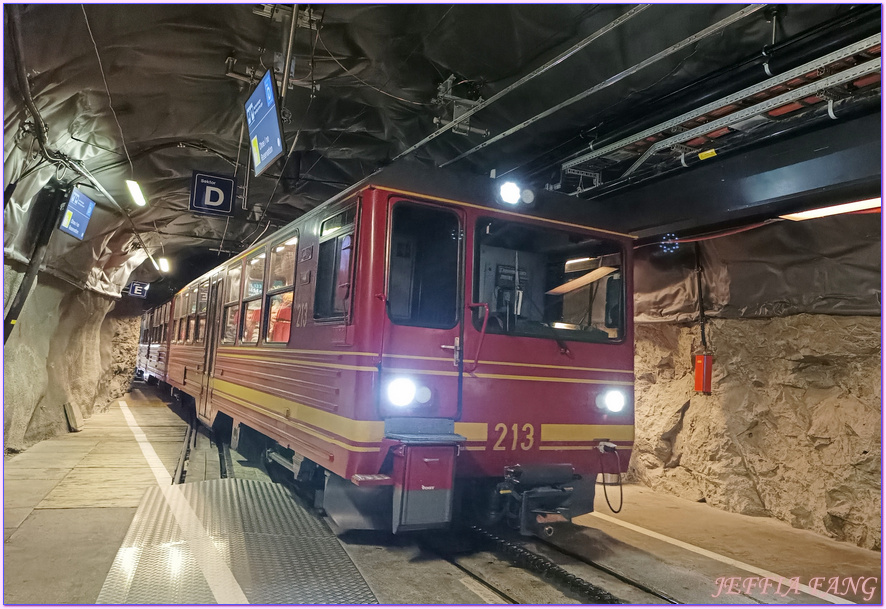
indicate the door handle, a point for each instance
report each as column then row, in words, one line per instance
column 456, row 351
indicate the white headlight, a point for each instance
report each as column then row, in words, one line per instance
column 401, row 392
column 510, row 193
column 612, row 400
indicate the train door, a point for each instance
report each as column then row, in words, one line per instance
column 211, row 335
column 422, row 351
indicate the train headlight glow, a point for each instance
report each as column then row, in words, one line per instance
column 401, row 392
column 613, row 400
column 510, row 193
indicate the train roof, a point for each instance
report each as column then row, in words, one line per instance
column 412, row 177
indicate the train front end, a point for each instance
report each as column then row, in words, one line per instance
column 506, row 380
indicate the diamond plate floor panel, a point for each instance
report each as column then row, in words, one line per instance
column 278, row 552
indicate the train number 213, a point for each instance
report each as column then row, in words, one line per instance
column 524, row 437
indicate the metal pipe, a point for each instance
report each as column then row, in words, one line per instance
column 538, row 71
column 51, row 201
column 843, row 53
column 616, row 78
column 770, row 104
column 286, row 68
column 788, row 54
column 40, row 127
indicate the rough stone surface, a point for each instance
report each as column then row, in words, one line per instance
column 63, row 350
column 791, row 429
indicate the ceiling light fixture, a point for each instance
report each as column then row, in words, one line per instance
column 164, row 264
column 833, row 210
column 136, row 192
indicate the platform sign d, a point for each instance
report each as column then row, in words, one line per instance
column 138, row 289
column 212, row 193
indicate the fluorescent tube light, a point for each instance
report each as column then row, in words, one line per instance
column 136, row 192
column 833, row 210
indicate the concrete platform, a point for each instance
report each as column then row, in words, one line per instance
column 699, row 554
column 68, row 501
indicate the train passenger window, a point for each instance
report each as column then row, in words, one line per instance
column 334, row 263
column 423, row 273
column 232, row 285
column 255, row 275
column 191, row 327
column 202, row 305
column 281, row 277
column 251, row 322
column 192, row 301
column 253, row 284
column 232, row 323
column 203, row 298
column 548, row 283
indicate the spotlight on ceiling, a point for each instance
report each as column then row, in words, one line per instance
column 164, row 265
column 833, row 210
column 512, row 194
column 509, row 193
column 136, row 192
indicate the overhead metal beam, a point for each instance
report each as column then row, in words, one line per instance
column 770, row 104
column 538, row 71
column 698, row 36
column 807, row 67
column 835, row 164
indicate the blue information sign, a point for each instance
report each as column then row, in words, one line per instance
column 138, row 289
column 77, row 214
column 212, row 193
column 263, row 121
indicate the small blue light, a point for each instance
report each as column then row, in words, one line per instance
column 670, row 243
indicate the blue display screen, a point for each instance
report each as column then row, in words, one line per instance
column 263, row 122
column 77, row 214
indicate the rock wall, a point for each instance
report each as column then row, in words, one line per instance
column 791, row 430
column 64, row 349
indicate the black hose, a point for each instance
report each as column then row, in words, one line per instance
column 621, row 493
column 814, row 42
column 50, row 202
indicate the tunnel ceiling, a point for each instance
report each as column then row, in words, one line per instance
column 154, row 92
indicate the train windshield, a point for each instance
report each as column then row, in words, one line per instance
column 548, row 283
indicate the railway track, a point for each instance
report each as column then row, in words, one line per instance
column 515, row 570
column 499, row 566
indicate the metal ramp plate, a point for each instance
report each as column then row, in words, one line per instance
column 230, row 541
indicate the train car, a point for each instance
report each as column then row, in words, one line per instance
column 153, row 346
column 425, row 346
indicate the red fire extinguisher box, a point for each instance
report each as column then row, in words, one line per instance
column 703, row 365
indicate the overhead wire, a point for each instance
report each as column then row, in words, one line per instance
column 348, row 72
column 108, row 91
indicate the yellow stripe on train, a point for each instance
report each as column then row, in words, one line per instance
column 555, row 432
column 353, row 430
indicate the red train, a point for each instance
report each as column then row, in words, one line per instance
column 425, row 346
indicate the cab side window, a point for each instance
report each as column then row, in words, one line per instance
column 332, row 297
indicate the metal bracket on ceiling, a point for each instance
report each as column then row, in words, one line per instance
column 683, row 149
column 279, row 12
column 457, row 106
column 675, row 126
column 595, row 176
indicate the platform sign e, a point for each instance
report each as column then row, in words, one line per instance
column 212, row 193
column 138, row 289
column 77, row 214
